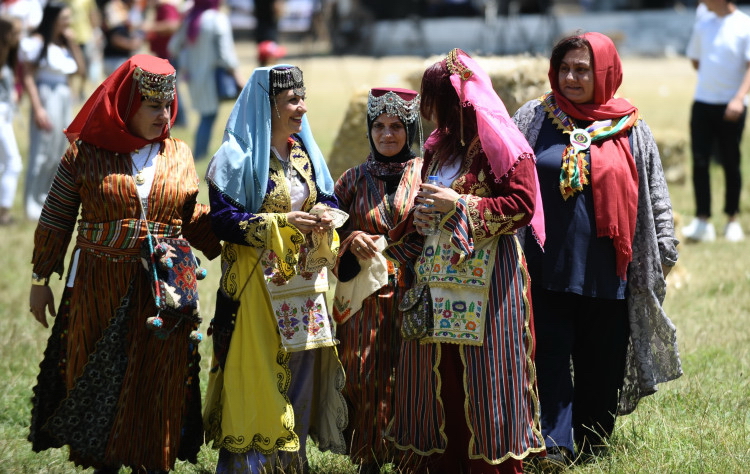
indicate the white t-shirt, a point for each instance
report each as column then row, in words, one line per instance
column 55, row 68
column 721, row 45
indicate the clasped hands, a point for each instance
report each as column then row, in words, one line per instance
column 433, row 200
column 317, row 220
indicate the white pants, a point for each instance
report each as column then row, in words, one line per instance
column 10, row 157
column 46, row 148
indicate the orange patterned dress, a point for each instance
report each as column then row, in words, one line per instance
column 109, row 387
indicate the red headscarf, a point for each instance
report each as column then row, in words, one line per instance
column 614, row 178
column 103, row 119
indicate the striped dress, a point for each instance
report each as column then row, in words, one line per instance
column 494, row 380
column 371, row 339
column 147, row 408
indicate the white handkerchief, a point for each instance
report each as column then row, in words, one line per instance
column 349, row 295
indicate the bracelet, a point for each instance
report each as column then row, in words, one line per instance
column 39, row 281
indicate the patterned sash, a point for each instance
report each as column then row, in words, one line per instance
column 121, row 240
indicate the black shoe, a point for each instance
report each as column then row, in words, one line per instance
column 558, row 459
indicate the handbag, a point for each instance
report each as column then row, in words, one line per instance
column 173, row 276
column 416, row 308
column 226, row 85
column 222, row 325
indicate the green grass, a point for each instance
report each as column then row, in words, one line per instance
column 699, row 423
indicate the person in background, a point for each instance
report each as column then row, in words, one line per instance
column 123, row 36
column 10, row 157
column 269, row 52
column 599, row 284
column 166, row 22
column 28, row 11
column 465, row 397
column 376, row 194
column 114, row 390
column 719, row 49
column 49, row 57
column 267, row 14
column 275, row 375
column 204, row 43
column 86, row 23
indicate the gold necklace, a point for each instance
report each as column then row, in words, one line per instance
column 139, row 178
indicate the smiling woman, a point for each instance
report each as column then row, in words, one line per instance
column 275, row 375
column 599, row 284
column 388, row 133
column 377, row 194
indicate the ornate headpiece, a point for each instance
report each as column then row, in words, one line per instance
column 103, row 119
column 403, row 103
column 456, row 66
column 154, row 86
column 285, row 78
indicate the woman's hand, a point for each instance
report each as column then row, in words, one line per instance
column 41, row 300
column 325, row 220
column 42, row 120
column 442, row 199
column 363, row 246
column 304, row 221
column 423, row 217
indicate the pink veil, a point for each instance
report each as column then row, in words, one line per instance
column 501, row 140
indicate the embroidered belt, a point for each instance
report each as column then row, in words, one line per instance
column 120, row 240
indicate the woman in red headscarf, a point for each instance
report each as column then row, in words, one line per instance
column 114, row 390
column 598, row 286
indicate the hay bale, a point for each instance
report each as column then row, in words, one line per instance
column 515, row 78
column 351, row 146
column 674, row 149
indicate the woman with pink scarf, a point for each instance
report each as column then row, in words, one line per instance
column 465, row 396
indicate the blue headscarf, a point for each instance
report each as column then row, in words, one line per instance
column 240, row 166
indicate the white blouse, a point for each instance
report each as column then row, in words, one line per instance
column 53, row 69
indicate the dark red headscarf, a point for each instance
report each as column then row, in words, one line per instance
column 194, row 16
column 103, row 119
column 614, row 178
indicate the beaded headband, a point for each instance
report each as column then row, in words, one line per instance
column 155, row 86
column 288, row 78
column 393, row 104
column 455, row 66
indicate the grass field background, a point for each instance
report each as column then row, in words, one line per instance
column 697, row 424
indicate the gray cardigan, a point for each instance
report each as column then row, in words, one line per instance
column 652, row 355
